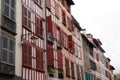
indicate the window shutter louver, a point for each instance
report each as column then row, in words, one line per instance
column 50, row 56
column 49, row 24
column 54, row 30
column 70, row 43
column 60, row 62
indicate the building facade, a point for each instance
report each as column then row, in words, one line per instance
column 41, row 40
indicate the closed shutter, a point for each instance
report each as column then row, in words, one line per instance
column 70, row 43
column 54, row 29
column 27, row 55
column 67, row 67
column 61, row 36
column 39, row 60
column 50, row 56
column 60, row 62
column 49, row 24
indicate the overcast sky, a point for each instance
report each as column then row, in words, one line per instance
column 102, row 19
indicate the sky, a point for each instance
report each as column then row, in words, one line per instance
column 101, row 18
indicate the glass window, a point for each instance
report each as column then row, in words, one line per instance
column 9, row 9
column 8, row 49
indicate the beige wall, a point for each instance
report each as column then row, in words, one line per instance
column 18, row 48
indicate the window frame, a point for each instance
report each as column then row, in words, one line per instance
column 10, row 10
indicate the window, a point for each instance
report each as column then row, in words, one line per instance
column 38, row 2
column 93, row 65
column 26, row 18
column 8, row 49
column 78, row 72
column 48, row 4
column 9, row 9
column 58, row 34
column 65, row 40
column 38, row 26
column 70, row 43
column 27, row 55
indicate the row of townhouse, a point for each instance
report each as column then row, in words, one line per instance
column 41, row 40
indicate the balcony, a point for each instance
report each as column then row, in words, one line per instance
column 8, row 25
column 7, row 69
column 59, row 44
column 50, row 38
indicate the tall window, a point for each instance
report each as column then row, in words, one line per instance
column 65, row 40
column 9, row 9
column 26, row 18
column 38, row 26
column 8, row 49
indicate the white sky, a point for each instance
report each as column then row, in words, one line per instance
column 102, row 19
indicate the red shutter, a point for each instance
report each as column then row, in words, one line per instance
column 61, row 36
column 39, row 60
column 48, row 3
column 49, row 24
column 24, row 56
column 50, row 56
column 56, row 9
column 29, row 54
column 70, row 43
column 54, row 29
column 60, row 62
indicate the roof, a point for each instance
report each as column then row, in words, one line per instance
column 70, row 2
column 87, row 40
column 76, row 23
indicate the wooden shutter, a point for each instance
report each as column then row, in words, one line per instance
column 67, row 67
column 60, row 62
column 72, row 70
column 39, row 60
column 49, row 24
column 70, row 43
column 48, row 4
column 29, row 56
column 54, row 30
column 63, row 18
column 24, row 56
column 56, row 9
column 50, row 56
column 61, row 36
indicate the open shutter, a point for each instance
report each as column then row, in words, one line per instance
column 70, row 43
column 54, row 30
column 50, row 56
column 56, row 9
column 49, row 23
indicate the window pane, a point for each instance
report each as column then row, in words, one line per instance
column 7, row 1
column 13, row 3
column 11, row 58
column 25, row 11
column 29, row 14
column 4, row 56
column 5, row 42
column 6, row 10
column 11, row 45
column 12, row 14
